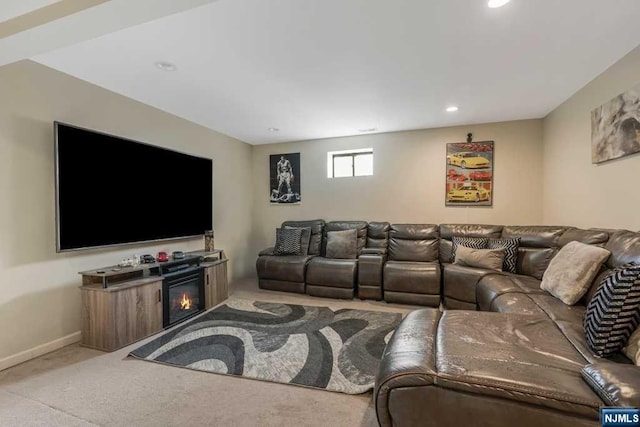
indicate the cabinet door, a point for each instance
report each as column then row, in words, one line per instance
column 210, row 290
column 148, row 309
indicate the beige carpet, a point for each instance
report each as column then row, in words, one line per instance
column 76, row 386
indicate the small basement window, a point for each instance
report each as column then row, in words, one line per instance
column 350, row 163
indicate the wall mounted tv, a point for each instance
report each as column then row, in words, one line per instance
column 114, row 191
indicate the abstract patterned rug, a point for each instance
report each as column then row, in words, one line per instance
column 286, row 343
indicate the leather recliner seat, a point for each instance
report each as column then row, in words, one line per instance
column 517, row 362
column 336, row 278
column 288, row 272
column 412, row 273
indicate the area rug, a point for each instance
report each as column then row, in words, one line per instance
column 285, row 343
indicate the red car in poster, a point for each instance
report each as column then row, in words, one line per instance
column 480, row 176
column 452, row 175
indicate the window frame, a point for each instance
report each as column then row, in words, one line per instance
column 332, row 155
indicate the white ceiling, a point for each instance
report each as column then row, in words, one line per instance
column 326, row 68
column 14, row 8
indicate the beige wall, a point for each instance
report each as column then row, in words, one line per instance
column 39, row 299
column 577, row 192
column 408, row 184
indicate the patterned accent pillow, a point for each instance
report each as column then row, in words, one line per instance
column 305, row 240
column 614, row 312
column 510, row 247
column 288, row 241
column 468, row 242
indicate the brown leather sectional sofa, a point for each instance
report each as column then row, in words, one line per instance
column 503, row 352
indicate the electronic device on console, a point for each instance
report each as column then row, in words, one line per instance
column 178, row 255
column 147, row 259
column 162, row 257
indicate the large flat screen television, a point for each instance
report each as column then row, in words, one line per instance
column 113, row 191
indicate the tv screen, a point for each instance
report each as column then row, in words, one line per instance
column 114, row 191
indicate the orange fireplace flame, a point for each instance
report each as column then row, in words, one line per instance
column 185, row 303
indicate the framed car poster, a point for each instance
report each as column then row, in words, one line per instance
column 284, row 179
column 469, row 180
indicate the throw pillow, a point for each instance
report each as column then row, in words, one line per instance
column 632, row 350
column 287, row 241
column 342, row 244
column 572, row 270
column 469, row 242
column 614, row 312
column 510, row 247
column 304, row 241
column 491, row 259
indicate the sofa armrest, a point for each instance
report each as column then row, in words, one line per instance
column 268, row 251
column 408, row 359
column 617, row 384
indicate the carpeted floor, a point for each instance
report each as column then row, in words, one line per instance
column 76, row 386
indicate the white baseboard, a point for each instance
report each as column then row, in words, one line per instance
column 34, row 352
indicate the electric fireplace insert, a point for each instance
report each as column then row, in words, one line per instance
column 182, row 294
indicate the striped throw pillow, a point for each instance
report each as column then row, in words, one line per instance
column 510, row 247
column 468, row 242
column 614, row 311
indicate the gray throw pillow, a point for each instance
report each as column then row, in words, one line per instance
column 572, row 270
column 469, row 242
column 304, row 241
column 287, row 241
column 490, row 259
column 342, row 244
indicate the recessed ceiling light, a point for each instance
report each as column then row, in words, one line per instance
column 367, row 130
column 452, row 109
column 273, row 129
column 497, row 3
column 165, row 66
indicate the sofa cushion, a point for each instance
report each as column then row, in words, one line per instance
column 360, row 226
column 614, row 312
column 492, row 286
column 304, row 240
column 510, row 247
column 468, row 242
column 413, row 242
column 534, row 261
column 535, row 236
column 460, row 282
column 413, row 277
column 285, row 268
column 516, row 303
column 288, row 241
column 342, row 244
column 489, row 259
column 512, row 356
column 615, row 383
column 337, row 273
column 572, row 270
column 624, row 247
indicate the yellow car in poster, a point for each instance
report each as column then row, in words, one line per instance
column 467, row 160
column 468, row 193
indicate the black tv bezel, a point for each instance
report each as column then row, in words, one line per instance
column 114, row 245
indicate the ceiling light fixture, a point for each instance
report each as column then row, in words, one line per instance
column 497, row 3
column 367, row 130
column 273, row 129
column 165, row 66
column 452, row 109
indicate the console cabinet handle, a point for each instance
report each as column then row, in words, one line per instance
column 159, row 295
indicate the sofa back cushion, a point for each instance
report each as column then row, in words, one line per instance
column 316, row 225
column 359, row 226
column 414, row 242
column 447, row 231
column 378, row 236
column 624, row 247
column 342, row 244
column 538, row 246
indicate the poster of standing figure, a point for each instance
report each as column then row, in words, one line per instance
column 615, row 127
column 285, row 178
